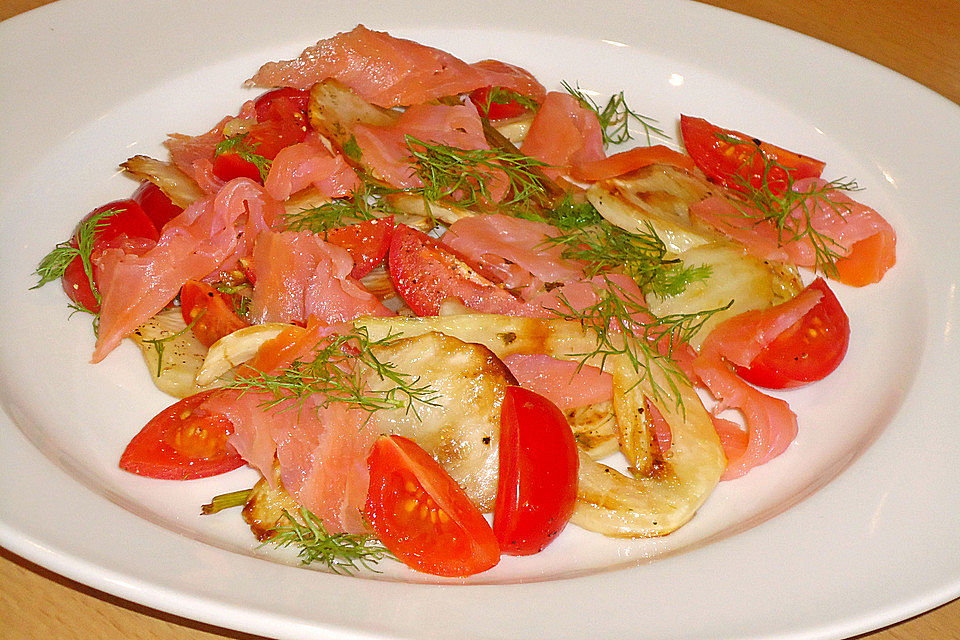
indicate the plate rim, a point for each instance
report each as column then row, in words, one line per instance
column 37, row 551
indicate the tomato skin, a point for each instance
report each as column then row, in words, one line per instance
column 228, row 166
column 266, row 105
column 155, row 204
column 808, row 351
column 182, row 442
column 495, row 110
column 129, row 222
column 537, row 486
column 732, row 164
column 425, row 272
column 422, row 515
column 368, row 243
column 208, row 312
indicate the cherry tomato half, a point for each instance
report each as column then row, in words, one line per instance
column 155, row 204
column 425, row 273
column 422, row 515
column 182, row 442
column 807, row 351
column 537, row 486
column 128, row 221
column 732, row 158
column 367, row 242
column 209, row 313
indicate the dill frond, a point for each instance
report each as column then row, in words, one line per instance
column 464, row 175
column 342, row 553
column 772, row 197
column 365, row 203
column 337, row 373
column 247, row 151
column 623, row 325
column 615, row 117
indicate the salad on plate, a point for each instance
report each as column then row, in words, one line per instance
column 411, row 291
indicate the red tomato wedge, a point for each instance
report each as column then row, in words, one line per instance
column 497, row 103
column 422, row 515
column 537, row 487
column 368, row 243
column 425, row 273
column 182, row 442
column 807, row 351
column 155, row 204
column 734, row 159
column 209, row 313
column 127, row 222
column 627, row 161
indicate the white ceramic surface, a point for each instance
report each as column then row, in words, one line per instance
column 856, row 526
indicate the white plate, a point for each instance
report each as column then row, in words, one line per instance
column 855, row 527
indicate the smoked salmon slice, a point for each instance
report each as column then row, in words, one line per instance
column 299, row 275
column 513, row 251
column 387, row 151
column 770, row 423
column 562, row 134
column 213, row 232
column 389, row 71
column 310, row 163
column 320, row 446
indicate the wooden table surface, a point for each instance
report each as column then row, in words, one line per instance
column 920, row 39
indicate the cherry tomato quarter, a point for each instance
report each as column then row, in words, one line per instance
column 422, row 515
column 230, row 165
column 209, row 313
column 807, row 351
column 182, row 442
column 537, row 486
column 732, row 158
column 368, row 243
column 425, row 272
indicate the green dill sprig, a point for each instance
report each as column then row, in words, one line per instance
column 241, row 302
column 365, row 203
column 337, row 373
column 502, row 95
column 54, row 264
column 587, row 237
column 464, row 174
column 773, row 198
column 342, row 553
column 623, row 325
column 246, row 150
column 615, row 117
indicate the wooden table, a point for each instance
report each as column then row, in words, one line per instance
column 920, row 39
